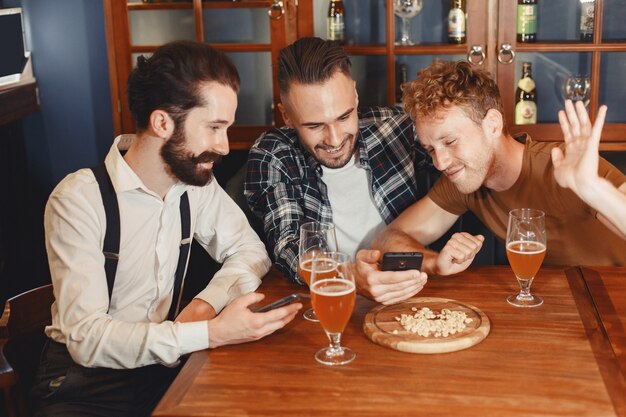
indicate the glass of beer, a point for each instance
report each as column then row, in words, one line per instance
column 316, row 239
column 525, row 249
column 333, row 297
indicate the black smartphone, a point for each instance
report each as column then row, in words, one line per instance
column 402, row 261
column 282, row 302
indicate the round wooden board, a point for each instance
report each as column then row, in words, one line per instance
column 380, row 324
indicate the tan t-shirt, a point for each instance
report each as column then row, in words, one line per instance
column 575, row 235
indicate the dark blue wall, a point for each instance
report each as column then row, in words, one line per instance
column 73, row 128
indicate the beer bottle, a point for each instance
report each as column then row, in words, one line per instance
column 457, row 18
column 526, row 98
column 400, row 81
column 526, row 20
column 586, row 20
column 336, row 29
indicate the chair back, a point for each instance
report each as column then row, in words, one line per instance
column 22, row 330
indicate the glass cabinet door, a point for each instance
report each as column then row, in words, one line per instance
column 579, row 53
column 373, row 39
column 251, row 32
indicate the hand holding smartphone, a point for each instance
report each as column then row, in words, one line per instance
column 282, row 302
column 402, row 261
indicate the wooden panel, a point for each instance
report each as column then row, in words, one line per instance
column 243, row 137
column 116, row 110
column 552, row 132
column 225, row 47
column 278, row 36
column 608, row 289
column 118, row 30
column 534, row 362
column 391, row 54
column 18, row 102
column 604, row 328
column 305, row 18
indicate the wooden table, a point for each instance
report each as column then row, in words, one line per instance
column 565, row 358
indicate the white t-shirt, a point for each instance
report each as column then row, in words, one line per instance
column 355, row 216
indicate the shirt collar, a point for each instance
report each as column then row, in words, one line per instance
column 122, row 175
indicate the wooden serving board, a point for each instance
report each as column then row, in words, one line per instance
column 380, row 324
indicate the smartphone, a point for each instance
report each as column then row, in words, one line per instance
column 402, row 261
column 282, row 302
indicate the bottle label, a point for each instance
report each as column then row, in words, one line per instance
column 336, row 28
column 456, row 23
column 586, row 17
column 526, row 19
column 527, row 84
column 525, row 113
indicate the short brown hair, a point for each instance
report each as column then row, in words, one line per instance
column 311, row 61
column 169, row 79
column 445, row 84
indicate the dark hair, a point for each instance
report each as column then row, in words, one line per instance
column 444, row 84
column 311, row 61
column 170, row 78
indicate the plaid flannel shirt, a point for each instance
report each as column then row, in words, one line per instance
column 284, row 185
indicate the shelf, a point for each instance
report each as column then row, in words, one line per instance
column 569, row 47
column 159, row 6
column 207, row 4
column 225, row 47
column 432, row 49
column 18, row 102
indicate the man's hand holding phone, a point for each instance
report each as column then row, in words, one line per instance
column 389, row 286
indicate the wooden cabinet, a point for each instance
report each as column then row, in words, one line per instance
column 250, row 32
column 557, row 55
column 245, row 30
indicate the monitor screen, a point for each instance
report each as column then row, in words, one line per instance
column 12, row 58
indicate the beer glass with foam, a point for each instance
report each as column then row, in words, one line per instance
column 525, row 249
column 316, row 239
column 333, row 296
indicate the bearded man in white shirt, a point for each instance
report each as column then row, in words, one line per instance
column 112, row 351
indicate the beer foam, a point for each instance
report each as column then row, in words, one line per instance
column 307, row 265
column 333, row 287
column 541, row 246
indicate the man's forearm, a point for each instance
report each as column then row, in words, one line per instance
column 610, row 203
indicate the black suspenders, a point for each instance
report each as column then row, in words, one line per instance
column 111, row 247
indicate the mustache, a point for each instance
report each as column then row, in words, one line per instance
column 205, row 157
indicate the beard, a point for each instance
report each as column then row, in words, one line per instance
column 345, row 154
column 476, row 174
column 182, row 164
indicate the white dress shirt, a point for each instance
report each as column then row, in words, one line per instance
column 134, row 332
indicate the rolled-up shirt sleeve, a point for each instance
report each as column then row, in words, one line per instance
column 223, row 230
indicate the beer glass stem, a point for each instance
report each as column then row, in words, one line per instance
column 335, row 344
column 524, row 285
column 404, row 36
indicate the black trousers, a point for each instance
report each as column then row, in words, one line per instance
column 64, row 388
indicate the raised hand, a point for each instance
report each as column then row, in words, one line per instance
column 577, row 168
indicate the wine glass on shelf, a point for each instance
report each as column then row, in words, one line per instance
column 525, row 248
column 316, row 239
column 406, row 10
column 333, row 295
column 577, row 87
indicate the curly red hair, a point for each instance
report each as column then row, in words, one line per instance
column 444, row 84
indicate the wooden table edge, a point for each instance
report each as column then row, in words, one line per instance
column 608, row 364
column 181, row 384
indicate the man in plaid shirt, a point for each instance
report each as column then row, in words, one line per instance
column 332, row 163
